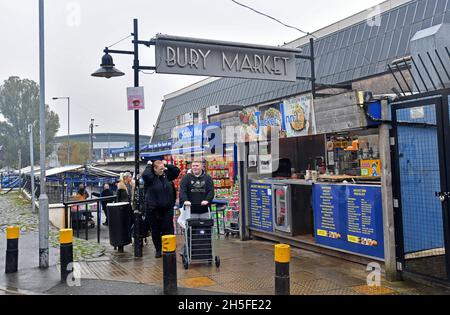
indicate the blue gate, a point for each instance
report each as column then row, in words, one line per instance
column 421, row 128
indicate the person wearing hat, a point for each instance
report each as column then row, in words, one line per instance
column 160, row 198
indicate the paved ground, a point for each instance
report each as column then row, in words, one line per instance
column 246, row 268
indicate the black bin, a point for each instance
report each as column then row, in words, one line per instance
column 119, row 221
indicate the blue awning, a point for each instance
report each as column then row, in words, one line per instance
column 187, row 150
column 149, row 155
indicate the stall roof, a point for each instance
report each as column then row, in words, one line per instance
column 96, row 171
column 27, row 170
column 359, row 50
column 61, row 170
column 84, row 169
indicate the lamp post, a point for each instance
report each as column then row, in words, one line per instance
column 108, row 70
column 43, row 198
column 91, row 140
column 68, row 124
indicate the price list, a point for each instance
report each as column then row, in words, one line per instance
column 260, row 206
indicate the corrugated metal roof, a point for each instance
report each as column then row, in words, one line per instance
column 355, row 52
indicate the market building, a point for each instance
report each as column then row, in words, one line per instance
column 314, row 168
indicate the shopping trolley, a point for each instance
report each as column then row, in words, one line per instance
column 231, row 220
column 199, row 247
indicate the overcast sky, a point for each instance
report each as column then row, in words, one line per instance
column 77, row 31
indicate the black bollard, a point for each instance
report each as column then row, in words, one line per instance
column 12, row 249
column 66, row 253
column 169, row 243
column 138, row 244
column 282, row 279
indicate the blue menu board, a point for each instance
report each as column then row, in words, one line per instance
column 327, row 211
column 260, row 207
column 349, row 217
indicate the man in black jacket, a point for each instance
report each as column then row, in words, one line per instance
column 197, row 191
column 160, row 200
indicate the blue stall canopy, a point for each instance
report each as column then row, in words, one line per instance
column 153, row 155
column 175, row 151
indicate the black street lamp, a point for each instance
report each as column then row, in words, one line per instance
column 108, row 70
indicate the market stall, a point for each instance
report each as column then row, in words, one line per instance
column 319, row 190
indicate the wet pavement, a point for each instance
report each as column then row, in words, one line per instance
column 246, row 268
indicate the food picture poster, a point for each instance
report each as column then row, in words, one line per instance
column 299, row 118
column 249, row 122
column 294, row 117
column 268, row 117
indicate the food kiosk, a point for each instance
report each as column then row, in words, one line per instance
column 323, row 190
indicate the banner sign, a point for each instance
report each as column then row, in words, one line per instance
column 294, row 117
column 135, row 98
column 190, row 56
column 198, row 134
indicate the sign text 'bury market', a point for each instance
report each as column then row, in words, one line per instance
column 240, row 62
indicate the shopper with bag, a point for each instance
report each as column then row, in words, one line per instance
column 160, row 198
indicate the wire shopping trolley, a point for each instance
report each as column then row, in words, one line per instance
column 199, row 246
column 231, row 220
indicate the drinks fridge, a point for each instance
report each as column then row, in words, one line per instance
column 282, row 218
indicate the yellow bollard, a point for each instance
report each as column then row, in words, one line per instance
column 169, row 247
column 282, row 260
column 12, row 249
column 66, row 253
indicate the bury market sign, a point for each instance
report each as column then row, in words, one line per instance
column 189, row 56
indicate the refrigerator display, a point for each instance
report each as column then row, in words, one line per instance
column 282, row 208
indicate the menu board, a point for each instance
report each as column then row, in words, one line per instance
column 328, row 223
column 260, row 207
column 349, row 217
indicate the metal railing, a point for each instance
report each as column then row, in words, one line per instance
column 85, row 212
column 427, row 73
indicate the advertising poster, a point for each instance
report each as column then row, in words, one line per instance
column 260, row 207
column 349, row 217
column 250, row 125
column 299, row 118
column 135, row 98
column 271, row 118
column 371, row 168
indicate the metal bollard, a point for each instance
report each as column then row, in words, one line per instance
column 169, row 247
column 66, row 253
column 12, row 249
column 282, row 259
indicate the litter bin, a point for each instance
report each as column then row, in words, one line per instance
column 119, row 221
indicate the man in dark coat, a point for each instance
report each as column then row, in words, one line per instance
column 197, row 191
column 159, row 200
column 106, row 193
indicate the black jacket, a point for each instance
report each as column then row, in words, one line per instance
column 196, row 189
column 159, row 190
column 122, row 193
column 106, row 193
